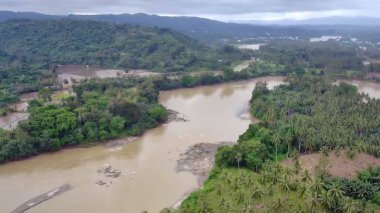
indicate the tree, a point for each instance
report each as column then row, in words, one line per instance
column 326, row 200
column 238, row 159
column 45, row 94
column 284, row 186
column 349, row 206
column 276, row 141
column 278, row 205
column 306, row 177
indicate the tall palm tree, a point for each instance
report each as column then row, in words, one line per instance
column 325, row 200
column 350, row 206
column 238, row 158
column 288, row 141
column 313, row 201
column 284, row 186
column 276, row 140
column 336, row 194
column 317, row 186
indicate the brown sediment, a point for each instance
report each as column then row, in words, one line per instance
column 338, row 166
column 42, row 198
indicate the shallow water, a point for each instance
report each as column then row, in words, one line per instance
column 149, row 180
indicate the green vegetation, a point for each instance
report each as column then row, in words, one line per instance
column 307, row 114
column 329, row 57
column 310, row 113
column 101, row 109
column 31, row 50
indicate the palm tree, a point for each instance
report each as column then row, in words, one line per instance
column 226, row 177
column 240, row 197
column 288, row 141
column 302, row 191
column 349, row 206
column 297, row 166
column 287, row 173
column 314, row 201
column 298, row 208
column 336, row 194
column 317, row 186
column 306, row 177
column 276, row 141
column 284, row 186
column 278, row 205
column 238, row 158
column 256, row 193
column 325, row 200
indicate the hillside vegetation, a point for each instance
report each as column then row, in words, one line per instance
column 30, row 51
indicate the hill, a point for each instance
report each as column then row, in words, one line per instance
column 207, row 30
column 31, row 48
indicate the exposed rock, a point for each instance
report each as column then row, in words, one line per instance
column 107, row 171
column 199, row 159
column 100, row 182
column 175, row 116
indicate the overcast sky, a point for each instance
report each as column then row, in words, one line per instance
column 224, row 10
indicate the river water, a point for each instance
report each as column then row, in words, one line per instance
column 149, row 180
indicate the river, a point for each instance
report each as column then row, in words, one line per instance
column 149, row 180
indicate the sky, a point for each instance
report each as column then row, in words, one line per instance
column 223, row 10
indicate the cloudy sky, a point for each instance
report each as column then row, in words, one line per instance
column 224, row 10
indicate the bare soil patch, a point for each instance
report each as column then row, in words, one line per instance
column 338, row 166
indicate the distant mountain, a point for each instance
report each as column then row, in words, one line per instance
column 199, row 28
column 335, row 20
column 209, row 31
column 6, row 15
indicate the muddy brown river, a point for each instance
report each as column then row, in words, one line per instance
column 149, row 180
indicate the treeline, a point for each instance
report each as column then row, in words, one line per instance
column 328, row 56
column 101, row 109
column 31, row 50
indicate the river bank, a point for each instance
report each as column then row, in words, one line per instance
column 148, row 164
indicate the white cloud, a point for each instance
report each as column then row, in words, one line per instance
column 226, row 10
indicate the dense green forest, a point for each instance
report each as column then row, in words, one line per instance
column 30, row 51
column 309, row 114
column 331, row 56
column 101, row 109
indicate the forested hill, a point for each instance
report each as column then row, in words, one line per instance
column 211, row 31
column 47, row 42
